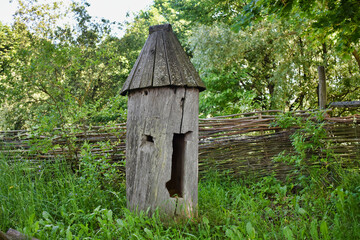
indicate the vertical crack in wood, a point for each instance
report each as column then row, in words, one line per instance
column 166, row 56
column 153, row 70
column 182, row 106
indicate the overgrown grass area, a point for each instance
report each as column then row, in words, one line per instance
column 50, row 201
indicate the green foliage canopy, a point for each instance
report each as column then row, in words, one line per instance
column 68, row 75
column 276, row 46
column 251, row 55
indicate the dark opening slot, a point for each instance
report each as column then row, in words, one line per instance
column 175, row 185
column 149, row 138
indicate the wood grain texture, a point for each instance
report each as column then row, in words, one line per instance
column 142, row 68
column 162, row 62
column 161, row 71
column 189, row 123
column 175, row 69
column 184, row 62
column 129, row 79
column 162, row 27
column 157, row 114
column 146, row 77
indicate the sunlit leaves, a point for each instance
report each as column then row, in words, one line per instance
column 61, row 74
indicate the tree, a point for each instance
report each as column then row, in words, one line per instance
column 256, row 62
column 330, row 20
column 309, row 33
column 338, row 21
column 67, row 75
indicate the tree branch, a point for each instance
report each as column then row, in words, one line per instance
column 357, row 57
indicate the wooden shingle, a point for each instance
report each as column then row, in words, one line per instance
column 162, row 62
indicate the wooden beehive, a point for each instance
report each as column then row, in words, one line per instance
column 162, row 127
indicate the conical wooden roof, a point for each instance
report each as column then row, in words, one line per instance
column 162, row 62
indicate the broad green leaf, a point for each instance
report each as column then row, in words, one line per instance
column 250, row 230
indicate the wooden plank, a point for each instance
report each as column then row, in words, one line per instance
column 142, row 175
column 190, row 111
column 161, row 71
column 176, row 77
column 141, row 66
column 162, row 62
column 188, row 66
column 188, row 73
column 349, row 104
column 149, row 62
column 128, row 82
column 132, row 143
column 189, row 127
column 163, row 110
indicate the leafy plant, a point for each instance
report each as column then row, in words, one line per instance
column 51, row 202
column 311, row 156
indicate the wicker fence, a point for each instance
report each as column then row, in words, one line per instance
column 246, row 144
column 243, row 143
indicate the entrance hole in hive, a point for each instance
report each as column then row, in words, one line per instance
column 175, row 185
column 149, row 138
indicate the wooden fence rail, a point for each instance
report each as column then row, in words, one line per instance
column 238, row 144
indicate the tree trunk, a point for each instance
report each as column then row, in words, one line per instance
column 322, row 87
column 357, row 57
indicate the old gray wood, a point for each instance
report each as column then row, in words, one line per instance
column 161, row 72
column 344, row 104
column 162, row 127
column 127, row 83
column 322, row 87
column 184, row 63
column 160, row 113
column 162, row 62
column 141, row 67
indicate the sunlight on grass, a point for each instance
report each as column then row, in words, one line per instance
column 50, row 201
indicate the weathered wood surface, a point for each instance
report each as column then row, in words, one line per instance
column 3, row 236
column 238, row 144
column 154, row 116
column 348, row 104
column 162, row 62
column 322, row 87
column 161, row 73
column 23, row 144
column 12, row 234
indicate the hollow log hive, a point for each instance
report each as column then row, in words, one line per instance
column 162, row 127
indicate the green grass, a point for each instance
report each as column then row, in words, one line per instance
column 49, row 201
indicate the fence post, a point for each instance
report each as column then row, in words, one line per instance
column 322, row 87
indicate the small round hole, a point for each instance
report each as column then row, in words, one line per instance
column 146, row 92
column 149, row 138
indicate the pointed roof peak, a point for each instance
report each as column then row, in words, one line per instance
column 162, row 62
column 164, row 27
